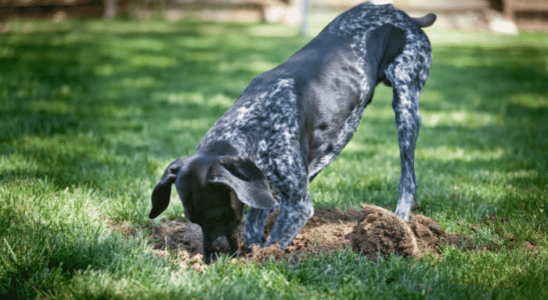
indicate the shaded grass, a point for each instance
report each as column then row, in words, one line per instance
column 92, row 112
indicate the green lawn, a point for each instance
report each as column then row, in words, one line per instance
column 91, row 113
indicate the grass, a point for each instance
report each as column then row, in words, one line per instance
column 92, row 113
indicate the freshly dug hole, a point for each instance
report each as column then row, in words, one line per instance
column 369, row 231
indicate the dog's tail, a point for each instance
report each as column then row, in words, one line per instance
column 425, row 21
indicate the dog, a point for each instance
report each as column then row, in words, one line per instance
column 293, row 120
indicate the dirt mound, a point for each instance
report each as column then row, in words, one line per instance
column 370, row 231
column 327, row 227
column 381, row 231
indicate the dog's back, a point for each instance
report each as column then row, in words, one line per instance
column 311, row 104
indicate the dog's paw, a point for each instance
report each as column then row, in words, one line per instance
column 402, row 215
column 255, row 240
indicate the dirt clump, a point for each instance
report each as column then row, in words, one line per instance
column 380, row 231
column 370, row 231
column 430, row 235
column 272, row 252
column 527, row 245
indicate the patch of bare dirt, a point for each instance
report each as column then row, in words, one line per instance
column 370, row 231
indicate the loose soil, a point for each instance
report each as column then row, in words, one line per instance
column 371, row 231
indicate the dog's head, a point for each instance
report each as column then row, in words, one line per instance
column 213, row 190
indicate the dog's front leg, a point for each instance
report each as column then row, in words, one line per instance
column 254, row 227
column 406, row 107
column 291, row 219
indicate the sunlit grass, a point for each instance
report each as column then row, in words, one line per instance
column 92, row 112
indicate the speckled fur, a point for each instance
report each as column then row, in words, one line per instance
column 270, row 125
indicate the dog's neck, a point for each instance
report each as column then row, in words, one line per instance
column 218, row 148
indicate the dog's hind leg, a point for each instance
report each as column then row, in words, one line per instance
column 407, row 80
column 406, row 107
column 408, row 74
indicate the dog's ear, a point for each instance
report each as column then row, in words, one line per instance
column 245, row 179
column 162, row 192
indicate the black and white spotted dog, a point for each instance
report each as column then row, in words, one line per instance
column 292, row 121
